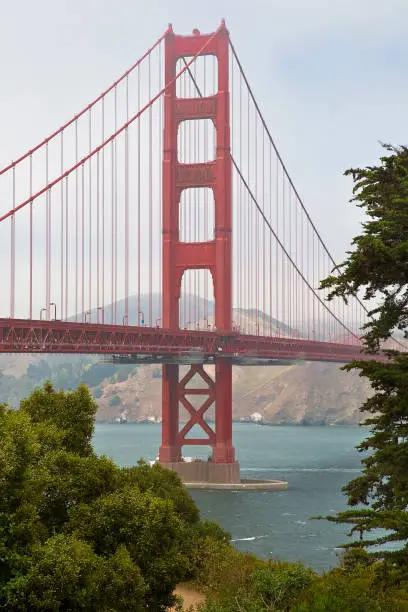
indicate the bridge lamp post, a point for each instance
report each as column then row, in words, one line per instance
column 55, row 309
column 100, row 308
column 88, row 312
column 41, row 311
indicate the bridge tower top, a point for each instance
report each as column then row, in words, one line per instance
column 214, row 255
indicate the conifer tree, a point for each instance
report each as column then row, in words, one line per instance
column 377, row 266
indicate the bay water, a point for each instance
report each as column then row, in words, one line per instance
column 316, row 461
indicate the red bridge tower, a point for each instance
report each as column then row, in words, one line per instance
column 214, row 255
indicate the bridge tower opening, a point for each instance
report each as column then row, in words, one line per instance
column 214, row 255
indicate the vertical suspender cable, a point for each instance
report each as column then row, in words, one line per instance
column 264, row 236
column 313, row 285
column 113, row 318
column 83, row 242
column 138, row 198
column 126, row 227
column 98, row 237
column 103, row 215
column 76, row 221
column 62, row 236
column 296, row 278
column 284, row 285
column 13, row 248
column 289, row 273
column 115, row 223
column 248, row 230
column 277, row 247
column 150, row 201
column 66, row 247
column 48, row 237
column 308, row 277
column 90, row 228
column 31, row 241
column 271, row 267
column 256, row 245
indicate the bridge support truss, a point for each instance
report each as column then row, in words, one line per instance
column 214, row 255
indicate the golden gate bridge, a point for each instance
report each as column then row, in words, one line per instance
column 161, row 223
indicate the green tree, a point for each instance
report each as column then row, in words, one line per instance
column 66, row 574
column 149, row 528
column 378, row 265
column 165, row 484
column 78, row 532
column 72, row 413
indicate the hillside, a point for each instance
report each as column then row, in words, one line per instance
column 305, row 393
column 312, row 393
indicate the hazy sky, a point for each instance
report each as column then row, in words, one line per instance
column 330, row 76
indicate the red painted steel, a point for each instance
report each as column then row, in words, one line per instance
column 196, row 414
column 215, row 255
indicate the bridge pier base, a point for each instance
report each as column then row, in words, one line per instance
column 205, row 471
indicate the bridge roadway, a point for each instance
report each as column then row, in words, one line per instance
column 157, row 345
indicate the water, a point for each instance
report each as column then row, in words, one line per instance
column 316, row 461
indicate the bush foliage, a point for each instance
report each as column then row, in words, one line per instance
column 78, row 532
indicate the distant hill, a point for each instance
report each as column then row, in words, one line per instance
column 192, row 308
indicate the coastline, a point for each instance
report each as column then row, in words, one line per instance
column 239, row 422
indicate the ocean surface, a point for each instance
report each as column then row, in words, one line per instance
column 316, row 462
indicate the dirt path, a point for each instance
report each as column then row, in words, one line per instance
column 189, row 596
